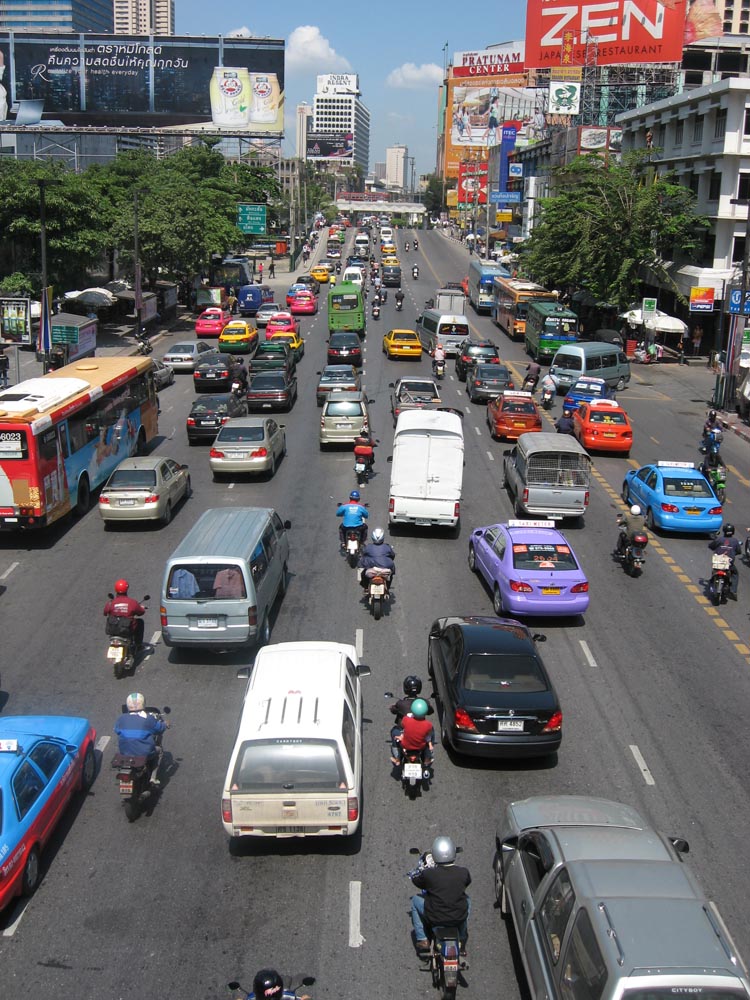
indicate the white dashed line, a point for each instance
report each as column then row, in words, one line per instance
column 11, row 929
column 155, row 638
column 647, row 775
column 587, row 653
column 9, row 570
column 355, row 900
column 359, row 639
column 101, row 743
column 490, row 456
column 478, row 431
column 468, row 409
column 231, row 486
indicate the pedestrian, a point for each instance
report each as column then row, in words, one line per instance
column 697, row 338
column 232, row 302
column 272, row 270
column 685, row 343
column 260, row 273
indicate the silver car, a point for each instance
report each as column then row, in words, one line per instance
column 266, row 311
column 248, row 444
column 144, row 489
column 163, row 374
column 343, row 419
column 184, row 357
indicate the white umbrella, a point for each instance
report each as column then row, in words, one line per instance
column 660, row 323
column 93, row 297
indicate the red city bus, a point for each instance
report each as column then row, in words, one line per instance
column 62, row 434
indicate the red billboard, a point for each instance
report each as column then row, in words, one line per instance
column 472, row 183
column 624, row 31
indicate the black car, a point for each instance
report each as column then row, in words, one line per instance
column 357, row 260
column 209, row 413
column 274, row 390
column 484, row 382
column 475, row 352
column 212, row 372
column 344, row 349
column 493, row 691
column 272, row 355
column 309, row 281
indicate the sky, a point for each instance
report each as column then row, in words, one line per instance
column 397, row 48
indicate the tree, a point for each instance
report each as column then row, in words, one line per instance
column 607, row 221
column 433, row 195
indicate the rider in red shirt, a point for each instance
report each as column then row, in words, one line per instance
column 122, row 606
column 418, row 734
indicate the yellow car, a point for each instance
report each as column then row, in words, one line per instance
column 402, row 344
column 391, row 262
column 320, row 273
column 238, row 337
column 387, row 249
column 293, row 340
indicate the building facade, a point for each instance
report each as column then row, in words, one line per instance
column 338, row 110
column 59, row 15
column 304, row 122
column 397, row 168
column 144, row 17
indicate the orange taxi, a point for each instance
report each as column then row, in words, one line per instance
column 511, row 414
column 603, row 425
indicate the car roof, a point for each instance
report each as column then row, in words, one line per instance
column 604, row 405
column 337, row 397
column 141, row 463
column 206, row 399
column 534, row 534
column 247, row 421
column 482, row 633
column 574, row 811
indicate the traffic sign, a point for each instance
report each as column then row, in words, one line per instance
column 252, row 219
column 505, row 197
column 735, row 297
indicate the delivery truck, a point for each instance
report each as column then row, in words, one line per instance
column 427, row 469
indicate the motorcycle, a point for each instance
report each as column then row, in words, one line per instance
column 292, row 993
column 134, row 773
column 415, row 272
column 123, row 649
column 721, row 578
column 633, row 557
column 444, row 957
column 717, row 476
column 412, row 772
column 530, row 383
column 416, row 245
column 364, row 457
column 378, row 590
column 711, row 444
column 376, row 312
column 548, row 397
column 438, row 368
column 399, row 305
column 144, row 344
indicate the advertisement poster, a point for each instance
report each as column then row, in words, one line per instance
column 322, row 146
column 475, row 114
column 701, row 299
column 626, row 31
column 501, row 60
column 232, row 84
column 564, row 98
column 472, row 184
column 15, row 320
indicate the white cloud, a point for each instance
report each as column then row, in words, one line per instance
column 409, row 76
column 240, row 33
column 307, row 49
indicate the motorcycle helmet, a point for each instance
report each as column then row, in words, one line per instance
column 567, row 413
column 354, row 495
column 412, row 685
column 135, row 702
column 712, row 415
column 378, row 536
column 121, row 587
column 268, row 983
column 419, row 708
column 443, row 850
column 728, row 530
column 635, row 509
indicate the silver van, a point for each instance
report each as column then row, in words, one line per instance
column 344, row 418
column 596, row 359
column 604, row 908
column 548, row 475
column 451, row 330
column 221, row 581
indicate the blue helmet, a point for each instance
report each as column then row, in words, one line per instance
column 354, row 495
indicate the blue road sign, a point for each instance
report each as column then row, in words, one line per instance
column 735, row 297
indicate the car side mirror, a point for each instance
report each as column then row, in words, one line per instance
column 539, row 637
column 147, row 597
column 507, row 452
column 680, row 845
column 391, row 385
column 243, row 674
column 390, row 458
column 287, row 524
column 363, row 670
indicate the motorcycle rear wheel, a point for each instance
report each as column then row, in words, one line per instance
column 132, row 809
column 377, row 608
column 353, row 559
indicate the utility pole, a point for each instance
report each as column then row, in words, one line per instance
column 45, row 303
column 137, row 267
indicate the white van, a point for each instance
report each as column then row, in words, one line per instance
column 355, row 275
column 362, row 243
column 296, row 766
column 386, row 234
column 428, row 468
column 450, row 330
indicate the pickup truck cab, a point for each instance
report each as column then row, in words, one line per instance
column 413, row 394
column 548, row 475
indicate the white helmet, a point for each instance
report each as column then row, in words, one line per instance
column 135, row 702
column 378, row 536
column 635, row 509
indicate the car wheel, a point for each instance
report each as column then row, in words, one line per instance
column 30, row 879
column 497, row 602
column 621, row 383
column 472, row 559
column 283, row 447
column 650, row 523
column 444, row 734
column 88, row 770
column 264, row 633
column 518, row 509
column 497, row 868
column 188, row 488
column 284, row 585
column 167, row 515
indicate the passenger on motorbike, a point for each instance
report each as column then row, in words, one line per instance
column 364, row 448
column 354, row 516
column 377, row 554
column 417, row 735
column 438, row 355
column 549, row 382
column 630, row 524
column 730, row 546
column 399, row 298
column 533, row 371
column 443, row 900
column 124, row 614
column 564, row 424
column 138, row 733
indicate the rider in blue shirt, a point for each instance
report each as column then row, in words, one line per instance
column 354, row 516
column 139, row 732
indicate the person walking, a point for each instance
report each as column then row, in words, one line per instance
column 260, row 273
column 697, row 339
column 272, row 269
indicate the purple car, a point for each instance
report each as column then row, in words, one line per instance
column 530, row 568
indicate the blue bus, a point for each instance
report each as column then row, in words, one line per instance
column 236, row 273
column 482, row 274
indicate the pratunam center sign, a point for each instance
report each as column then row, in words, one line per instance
column 625, row 31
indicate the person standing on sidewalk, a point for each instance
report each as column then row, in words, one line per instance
column 272, row 269
column 260, row 273
column 697, row 338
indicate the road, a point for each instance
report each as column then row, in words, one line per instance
column 654, row 687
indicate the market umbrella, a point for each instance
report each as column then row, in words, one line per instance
column 92, row 297
column 660, row 323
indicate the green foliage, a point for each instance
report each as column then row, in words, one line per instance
column 17, row 284
column 433, row 196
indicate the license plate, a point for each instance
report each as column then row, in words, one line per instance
column 126, row 788
column 351, row 546
column 377, row 590
column 236, row 454
column 608, row 434
column 510, row 726
column 344, row 353
column 211, row 375
column 208, row 623
column 550, row 590
column 693, row 510
column 359, row 467
column 423, row 522
column 127, row 503
column 412, row 770
column 115, row 653
column 267, row 406
column 344, row 425
column 286, row 829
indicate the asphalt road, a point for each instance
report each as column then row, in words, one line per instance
column 654, row 687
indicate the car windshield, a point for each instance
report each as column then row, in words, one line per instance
column 405, row 336
column 234, row 434
column 182, row 349
column 533, row 556
column 208, row 581
column 517, row 407
column 132, row 479
column 283, row 765
column 352, row 341
column 483, row 352
column 268, row 382
column 674, row 486
column 589, row 388
column 516, row 672
column 344, row 408
column 492, row 373
column 210, row 405
column 607, row 417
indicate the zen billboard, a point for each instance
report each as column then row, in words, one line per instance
column 321, row 146
column 625, row 31
column 233, row 85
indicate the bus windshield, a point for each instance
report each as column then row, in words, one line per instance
column 345, row 302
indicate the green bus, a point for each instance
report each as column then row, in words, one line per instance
column 346, row 309
column 549, row 326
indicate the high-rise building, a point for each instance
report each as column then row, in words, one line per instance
column 143, row 17
column 396, row 168
column 304, row 125
column 379, row 171
column 735, row 17
column 60, row 15
column 338, row 110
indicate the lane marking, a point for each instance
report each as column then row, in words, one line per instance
column 11, row 929
column 9, row 570
column 101, row 743
column 490, row 456
column 359, row 639
column 355, row 905
column 468, row 409
column 155, row 638
column 478, row 431
column 588, row 654
column 230, row 486
column 647, row 775
column 737, row 475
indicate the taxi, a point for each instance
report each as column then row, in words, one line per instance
column 45, row 761
column 511, row 414
column 298, row 286
column 212, row 321
column 586, row 388
column 282, row 322
column 320, row 273
column 391, row 261
column 674, row 496
column 238, row 337
column 292, row 338
column 387, row 250
column 402, row 344
column 603, row 425
column 304, row 302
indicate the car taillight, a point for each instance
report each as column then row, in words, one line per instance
column 462, row 720
column 215, row 453
column 580, row 588
column 224, row 374
column 670, row 508
column 525, row 497
column 152, row 498
column 494, row 361
column 586, row 499
column 465, row 357
column 226, row 810
column 715, row 510
column 520, row 588
column 391, row 505
column 457, row 509
column 352, row 810
column 555, row 723
column 252, row 615
column 196, row 374
column 162, row 615
column 103, row 499
column 190, row 422
column 259, row 453
column 224, row 419
column 510, row 385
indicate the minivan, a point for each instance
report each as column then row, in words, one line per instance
column 599, row 360
column 222, row 580
column 344, row 418
column 362, row 242
column 296, row 766
column 354, row 275
column 392, row 276
column 450, row 330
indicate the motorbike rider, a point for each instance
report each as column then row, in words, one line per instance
column 443, row 900
column 631, row 524
column 533, row 371
column 138, row 733
column 399, row 299
column 364, row 448
column 406, row 246
column 412, row 689
column 438, row 355
column 415, row 272
column 268, row 985
column 728, row 545
column 416, row 244
column 712, row 423
column 564, row 424
column 124, row 614
column 549, row 382
column 354, row 517
column 417, row 735
column 377, row 554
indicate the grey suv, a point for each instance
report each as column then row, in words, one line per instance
column 604, row 908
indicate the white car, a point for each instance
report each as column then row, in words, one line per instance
column 184, row 357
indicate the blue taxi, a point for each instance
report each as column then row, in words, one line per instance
column 674, row 496
column 44, row 761
column 586, row 389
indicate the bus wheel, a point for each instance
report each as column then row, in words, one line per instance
column 140, row 445
column 83, row 501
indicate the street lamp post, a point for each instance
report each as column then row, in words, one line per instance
column 137, row 266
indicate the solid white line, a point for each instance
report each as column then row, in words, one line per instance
column 156, row 637
column 359, row 639
column 355, row 897
column 647, row 775
column 9, row 570
column 11, row 929
column 587, row 653
column 490, row 456
column 101, row 743
column 478, row 431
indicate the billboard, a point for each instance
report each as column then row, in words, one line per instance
column 321, row 146
column 229, row 84
column 564, row 98
column 475, row 112
column 500, row 60
column 626, row 31
column 337, row 83
column 472, row 184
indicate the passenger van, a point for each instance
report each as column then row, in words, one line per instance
column 362, row 243
column 450, row 330
column 221, row 581
column 354, row 275
column 599, row 360
column 296, row 766
column 386, row 234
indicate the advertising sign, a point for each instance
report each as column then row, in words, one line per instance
column 233, row 85
column 338, row 83
column 497, row 61
column 508, row 143
column 472, row 184
column 475, row 113
column 322, row 146
column 15, row 320
column 564, row 98
column 251, row 219
column 701, row 299
column 626, row 31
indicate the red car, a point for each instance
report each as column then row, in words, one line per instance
column 304, row 303
column 282, row 322
column 298, row 286
column 511, row 414
column 212, row 321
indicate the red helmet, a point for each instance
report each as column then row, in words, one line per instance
column 121, row 587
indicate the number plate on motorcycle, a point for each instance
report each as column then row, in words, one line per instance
column 126, row 788
column 377, row 590
column 208, row 623
column 412, row 770
column 510, row 725
column 359, row 467
column 115, row 653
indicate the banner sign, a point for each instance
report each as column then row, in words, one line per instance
column 507, row 143
column 15, row 320
column 701, row 299
column 498, row 61
column 321, row 146
column 475, row 112
column 472, row 184
column 564, row 98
